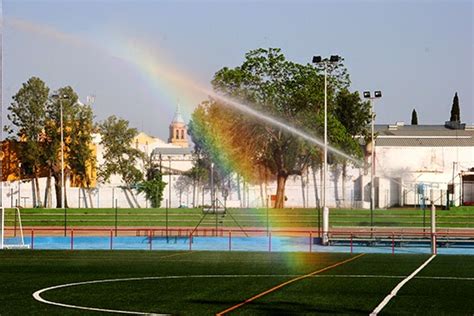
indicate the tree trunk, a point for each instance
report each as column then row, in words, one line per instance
column 66, row 175
column 89, row 194
column 303, row 189
column 57, row 191
column 336, row 182
column 37, row 192
column 280, row 194
column 316, row 195
column 344, row 176
column 238, row 190
column 46, row 191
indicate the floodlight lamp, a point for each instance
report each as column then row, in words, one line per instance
column 317, row 59
column 367, row 94
column 334, row 58
column 378, row 94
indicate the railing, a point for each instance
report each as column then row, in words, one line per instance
column 234, row 239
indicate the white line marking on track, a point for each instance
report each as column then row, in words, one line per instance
column 399, row 286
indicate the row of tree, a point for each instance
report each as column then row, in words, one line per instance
column 35, row 116
column 455, row 114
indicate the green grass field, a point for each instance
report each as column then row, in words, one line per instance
column 206, row 283
column 462, row 217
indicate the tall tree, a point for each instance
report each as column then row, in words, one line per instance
column 81, row 158
column 414, row 117
column 120, row 157
column 27, row 114
column 354, row 115
column 277, row 87
column 455, row 111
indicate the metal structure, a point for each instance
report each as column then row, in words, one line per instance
column 367, row 95
column 325, row 62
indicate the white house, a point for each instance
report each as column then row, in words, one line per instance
column 414, row 161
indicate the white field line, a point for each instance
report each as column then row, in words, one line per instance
column 399, row 286
column 37, row 294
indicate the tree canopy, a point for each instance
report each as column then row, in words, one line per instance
column 120, row 157
column 288, row 91
column 28, row 116
column 455, row 111
column 414, row 117
column 36, row 117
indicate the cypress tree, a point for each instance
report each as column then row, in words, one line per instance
column 414, row 117
column 455, row 112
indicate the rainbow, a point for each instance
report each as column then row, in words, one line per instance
column 168, row 85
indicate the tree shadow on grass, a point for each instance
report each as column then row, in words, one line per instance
column 281, row 308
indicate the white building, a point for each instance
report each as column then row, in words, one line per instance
column 413, row 160
column 411, row 163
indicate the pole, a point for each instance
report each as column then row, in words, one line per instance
column 166, row 221
column 213, row 205
column 372, row 167
column 169, row 180
column 268, row 226
column 62, row 153
column 18, row 203
column 325, row 136
column 325, row 226
column 65, row 221
column 433, row 228
column 325, row 164
column 14, row 232
column 116, row 218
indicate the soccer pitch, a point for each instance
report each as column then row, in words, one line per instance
column 240, row 283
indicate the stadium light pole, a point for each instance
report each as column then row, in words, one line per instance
column 325, row 62
column 367, row 95
column 61, row 98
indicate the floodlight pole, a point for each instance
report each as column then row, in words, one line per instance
column 325, row 62
column 372, row 166
column 377, row 94
column 62, row 152
column 61, row 97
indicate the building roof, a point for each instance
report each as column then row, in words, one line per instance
column 424, row 135
column 172, row 151
column 177, row 116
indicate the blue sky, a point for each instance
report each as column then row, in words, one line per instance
column 419, row 53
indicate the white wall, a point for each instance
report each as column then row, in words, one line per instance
column 398, row 171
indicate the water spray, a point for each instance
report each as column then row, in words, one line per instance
column 277, row 123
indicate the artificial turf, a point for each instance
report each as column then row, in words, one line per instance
column 462, row 217
column 218, row 280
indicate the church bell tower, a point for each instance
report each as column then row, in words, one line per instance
column 178, row 132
